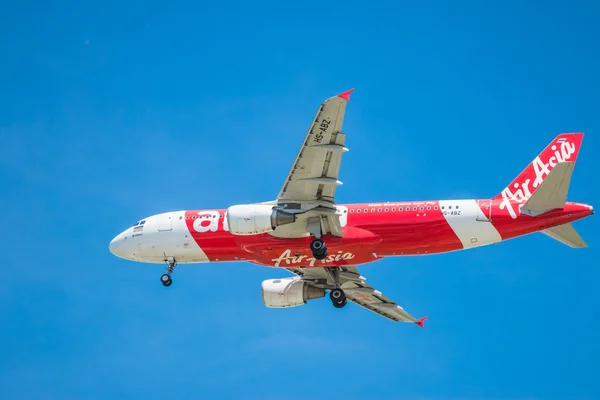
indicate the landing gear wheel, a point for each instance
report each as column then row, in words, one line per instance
column 166, row 280
column 340, row 305
column 321, row 256
column 317, row 245
column 338, row 298
column 318, row 249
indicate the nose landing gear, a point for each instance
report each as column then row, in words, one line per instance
column 166, row 278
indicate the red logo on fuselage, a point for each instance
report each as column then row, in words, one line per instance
column 289, row 259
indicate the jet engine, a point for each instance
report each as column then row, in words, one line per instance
column 253, row 219
column 288, row 292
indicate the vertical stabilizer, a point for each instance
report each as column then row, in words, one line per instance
column 563, row 148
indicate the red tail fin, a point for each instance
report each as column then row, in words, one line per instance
column 564, row 147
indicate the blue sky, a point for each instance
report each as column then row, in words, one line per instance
column 110, row 112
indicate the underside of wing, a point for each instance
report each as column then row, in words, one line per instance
column 314, row 174
column 357, row 291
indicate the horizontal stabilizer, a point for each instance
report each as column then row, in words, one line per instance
column 552, row 193
column 566, row 234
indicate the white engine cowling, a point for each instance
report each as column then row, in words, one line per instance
column 253, row 219
column 288, row 292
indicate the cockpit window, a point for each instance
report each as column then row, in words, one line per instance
column 142, row 222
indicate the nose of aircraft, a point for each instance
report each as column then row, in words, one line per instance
column 118, row 246
column 114, row 245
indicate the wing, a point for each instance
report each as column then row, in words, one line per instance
column 314, row 174
column 358, row 291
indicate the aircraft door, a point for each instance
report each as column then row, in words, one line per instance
column 484, row 210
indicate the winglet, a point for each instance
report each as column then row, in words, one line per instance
column 346, row 94
column 421, row 322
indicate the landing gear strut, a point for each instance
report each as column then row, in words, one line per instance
column 166, row 278
column 318, row 248
column 337, row 295
column 317, row 245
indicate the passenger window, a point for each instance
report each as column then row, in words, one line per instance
column 351, row 211
column 400, row 209
column 379, row 210
column 443, row 207
column 366, row 210
column 414, row 208
column 387, row 209
column 428, row 208
column 435, row 208
column 457, row 207
column 194, row 217
column 187, row 217
column 420, row 208
column 358, row 210
column 372, row 210
column 393, row 209
column 345, row 211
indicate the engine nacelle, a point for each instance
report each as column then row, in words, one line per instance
column 252, row 219
column 288, row 292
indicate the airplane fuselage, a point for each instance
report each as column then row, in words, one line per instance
column 370, row 231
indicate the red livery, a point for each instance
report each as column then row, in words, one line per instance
column 321, row 242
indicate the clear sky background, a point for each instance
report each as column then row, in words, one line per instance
column 113, row 111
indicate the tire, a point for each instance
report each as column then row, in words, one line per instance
column 321, row 256
column 340, row 305
column 317, row 246
column 166, row 280
column 338, row 297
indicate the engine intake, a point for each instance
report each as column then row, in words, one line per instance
column 253, row 219
column 288, row 292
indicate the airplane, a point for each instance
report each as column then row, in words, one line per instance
column 321, row 242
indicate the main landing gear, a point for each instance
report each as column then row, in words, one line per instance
column 338, row 298
column 166, row 278
column 319, row 252
column 337, row 295
column 318, row 249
